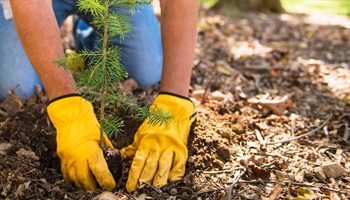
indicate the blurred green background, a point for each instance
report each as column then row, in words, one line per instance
column 340, row 7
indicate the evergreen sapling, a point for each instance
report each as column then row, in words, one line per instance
column 103, row 72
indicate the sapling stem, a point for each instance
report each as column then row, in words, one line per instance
column 105, row 79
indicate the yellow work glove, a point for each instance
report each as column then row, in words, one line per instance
column 160, row 152
column 78, row 136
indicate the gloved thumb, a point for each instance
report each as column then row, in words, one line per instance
column 107, row 142
column 129, row 151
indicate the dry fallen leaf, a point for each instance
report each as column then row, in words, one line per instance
column 276, row 105
column 277, row 190
column 20, row 189
column 128, row 86
column 305, row 194
column 12, row 104
column 224, row 67
column 256, row 172
column 275, row 72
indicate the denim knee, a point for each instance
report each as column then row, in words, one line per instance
column 16, row 72
column 142, row 53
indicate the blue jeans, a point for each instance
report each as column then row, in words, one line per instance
column 141, row 50
column 16, row 72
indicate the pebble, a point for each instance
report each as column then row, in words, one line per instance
column 282, row 176
column 333, row 170
column 173, row 191
column 106, row 196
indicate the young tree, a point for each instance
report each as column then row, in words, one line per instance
column 101, row 77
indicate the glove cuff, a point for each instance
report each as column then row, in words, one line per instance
column 69, row 109
column 64, row 96
column 175, row 95
column 182, row 108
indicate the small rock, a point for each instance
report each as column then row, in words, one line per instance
column 333, row 170
column 282, row 176
column 173, row 191
column 329, row 56
column 4, row 147
column 191, row 159
column 106, row 196
column 27, row 154
column 319, row 173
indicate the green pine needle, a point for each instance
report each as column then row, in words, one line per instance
column 112, row 125
column 95, row 7
column 119, row 25
column 158, row 116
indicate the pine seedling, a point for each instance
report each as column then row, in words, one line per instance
column 101, row 77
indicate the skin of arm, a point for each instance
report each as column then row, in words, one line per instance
column 179, row 32
column 40, row 36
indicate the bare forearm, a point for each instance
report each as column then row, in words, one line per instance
column 179, row 31
column 39, row 33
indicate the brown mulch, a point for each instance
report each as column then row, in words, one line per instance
column 272, row 94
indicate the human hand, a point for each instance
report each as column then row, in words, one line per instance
column 78, row 136
column 160, row 151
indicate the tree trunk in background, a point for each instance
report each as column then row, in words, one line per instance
column 236, row 6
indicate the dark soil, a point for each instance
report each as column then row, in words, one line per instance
column 259, row 81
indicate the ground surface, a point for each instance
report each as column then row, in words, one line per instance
column 259, row 81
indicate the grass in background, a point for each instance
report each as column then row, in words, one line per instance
column 339, row 7
column 207, row 3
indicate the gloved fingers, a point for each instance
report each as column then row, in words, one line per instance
column 100, row 171
column 128, row 151
column 165, row 162
column 179, row 166
column 108, row 143
column 73, row 176
column 64, row 171
column 150, row 168
column 136, row 169
column 85, row 177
